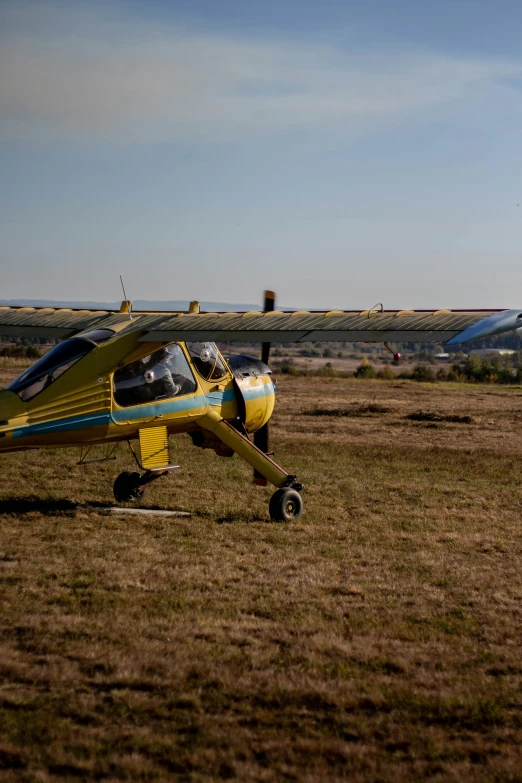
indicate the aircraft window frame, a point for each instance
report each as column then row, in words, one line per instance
column 44, row 372
column 97, row 336
column 196, row 358
column 144, row 377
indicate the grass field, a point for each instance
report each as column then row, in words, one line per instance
column 377, row 639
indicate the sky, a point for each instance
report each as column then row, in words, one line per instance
column 341, row 152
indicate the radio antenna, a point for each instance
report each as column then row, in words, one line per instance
column 129, row 304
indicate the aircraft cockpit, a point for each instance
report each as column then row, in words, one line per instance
column 161, row 375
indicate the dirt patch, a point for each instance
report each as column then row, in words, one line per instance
column 432, row 416
column 368, row 409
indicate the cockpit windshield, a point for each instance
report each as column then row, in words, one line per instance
column 48, row 369
column 207, row 360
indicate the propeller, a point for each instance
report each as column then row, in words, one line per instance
column 261, row 437
column 268, row 307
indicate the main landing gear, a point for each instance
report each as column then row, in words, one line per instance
column 286, row 504
column 130, row 485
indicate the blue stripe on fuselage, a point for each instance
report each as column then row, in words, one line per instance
column 59, row 425
column 266, row 390
column 124, row 415
column 118, row 416
column 218, row 397
column 249, row 393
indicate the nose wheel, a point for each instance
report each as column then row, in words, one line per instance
column 285, row 505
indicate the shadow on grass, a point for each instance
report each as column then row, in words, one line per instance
column 57, row 506
column 27, row 505
column 17, row 506
column 233, row 517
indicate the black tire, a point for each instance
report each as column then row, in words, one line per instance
column 127, row 486
column 285, row 505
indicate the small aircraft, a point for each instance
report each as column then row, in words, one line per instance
column 142, row 376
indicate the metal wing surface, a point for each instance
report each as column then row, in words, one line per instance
column 440, row 326
column 54, row 323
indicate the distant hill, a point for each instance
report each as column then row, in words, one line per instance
column 138, row 304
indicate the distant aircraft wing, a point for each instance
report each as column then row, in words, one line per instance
column 440, row 326
column 420, row 326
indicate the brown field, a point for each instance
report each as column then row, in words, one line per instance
column 377, row 639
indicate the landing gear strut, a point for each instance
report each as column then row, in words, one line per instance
column 129, row 485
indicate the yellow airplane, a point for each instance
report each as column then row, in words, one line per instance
column 142, row 376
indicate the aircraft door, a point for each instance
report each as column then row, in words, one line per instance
column 159, row 384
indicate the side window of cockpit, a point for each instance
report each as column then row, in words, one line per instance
column 162, row 375
column 206, row 360
column 49, row 368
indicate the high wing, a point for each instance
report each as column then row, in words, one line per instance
column 421, row 326
column 440, row 326
column 54, row 323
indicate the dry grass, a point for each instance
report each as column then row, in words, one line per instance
column 376, row 640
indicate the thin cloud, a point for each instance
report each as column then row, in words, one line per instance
column 96, row 73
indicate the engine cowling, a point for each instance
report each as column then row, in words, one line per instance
column 255, row 390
